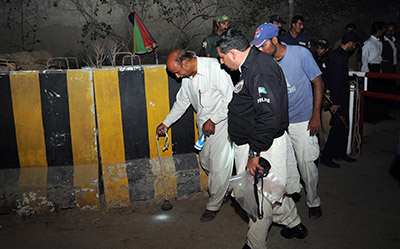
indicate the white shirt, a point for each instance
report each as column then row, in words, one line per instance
column 209, row 92
column 371, row 52
column 393, row 47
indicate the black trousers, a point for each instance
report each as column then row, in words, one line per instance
column 336, row 145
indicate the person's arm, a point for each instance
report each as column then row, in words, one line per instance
column 314, row 126
column 268, row 109
column 182, row 102
column 364, row 57
column 268, row 98
column 313, row 72
column 338, row 77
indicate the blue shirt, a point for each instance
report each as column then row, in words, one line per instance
column 299, row 68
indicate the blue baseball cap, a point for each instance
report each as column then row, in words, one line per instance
column 263, row 33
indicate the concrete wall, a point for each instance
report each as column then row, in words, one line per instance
column 60, row 31
column 70, row 137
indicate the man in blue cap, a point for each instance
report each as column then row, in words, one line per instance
column 299, row 68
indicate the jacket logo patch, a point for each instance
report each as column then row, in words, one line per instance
column 238, row 87
column 263, row 100
column 261, row 90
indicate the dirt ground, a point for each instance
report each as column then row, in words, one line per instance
column 360, row 202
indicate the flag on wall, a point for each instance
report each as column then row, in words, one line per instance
column 143, row 42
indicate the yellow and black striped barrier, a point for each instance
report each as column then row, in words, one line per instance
column 69, row 137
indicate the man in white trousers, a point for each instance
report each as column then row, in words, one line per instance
column 258, row 119
column 299, row 68
column 208, row 88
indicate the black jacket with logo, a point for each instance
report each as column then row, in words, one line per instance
column 258, row 112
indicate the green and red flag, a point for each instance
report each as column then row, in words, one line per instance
column 143, row 42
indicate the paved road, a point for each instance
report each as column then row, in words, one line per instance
column 360, row 201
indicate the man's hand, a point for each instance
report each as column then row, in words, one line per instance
column 253, row 165
column 314, row 126
column 208, row 128
column 161, row 130
column 334, row 108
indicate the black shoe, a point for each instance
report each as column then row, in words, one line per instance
column 246, row 246
column 346, row 158
column 314, row 212
column 295, row 196
column 299, row 231
column 330, row 163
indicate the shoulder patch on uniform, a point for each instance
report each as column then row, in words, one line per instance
column 238, row 87
column 262, row 90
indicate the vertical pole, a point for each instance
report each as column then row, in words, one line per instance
column 291, row 11
column 361, row 122
column 351, row 112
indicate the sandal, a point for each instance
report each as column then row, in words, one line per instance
column 208, row 215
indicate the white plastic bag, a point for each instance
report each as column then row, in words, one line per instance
column 272, row 188
column 243, row 190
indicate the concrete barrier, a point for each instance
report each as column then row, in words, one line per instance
column 70, row 137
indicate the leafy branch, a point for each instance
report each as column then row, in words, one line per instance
column 23, row 20
column 93, row 27
column 184, row 14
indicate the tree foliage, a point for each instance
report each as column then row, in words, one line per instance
column 324, row 14
column 23, row 19
column 186, row 16
column 250, row 13
column 95, row 27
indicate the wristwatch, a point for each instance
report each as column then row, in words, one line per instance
column 253, row 154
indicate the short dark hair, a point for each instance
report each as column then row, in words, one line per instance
column 296, row 18
column 232, row 39
column 377, row 26
column 350, row 26
column 390, row 24
column 350, row 36
column 184, row 55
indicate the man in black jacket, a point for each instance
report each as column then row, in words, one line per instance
column 338, row 76
column 257, row 123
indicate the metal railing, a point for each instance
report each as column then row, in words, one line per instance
column 127, row 55
column 53, row 61
column 358, row 97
